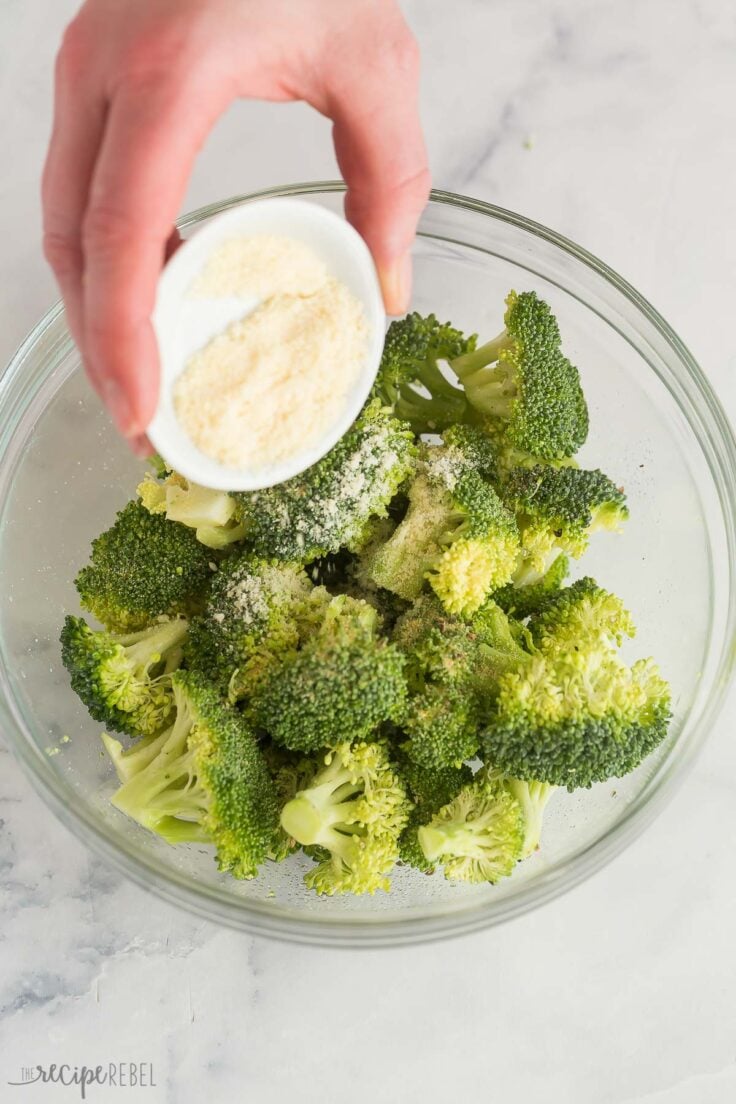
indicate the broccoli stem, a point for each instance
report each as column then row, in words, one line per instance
column 424, row 413
column 481, row 357
column 460, row 840
column 311, row 817
column 137, row 797
column 150, row 646
column 129, row 761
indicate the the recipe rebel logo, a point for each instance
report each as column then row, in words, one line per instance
column 116, row 1075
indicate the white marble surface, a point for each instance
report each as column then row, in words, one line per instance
column 621, row 992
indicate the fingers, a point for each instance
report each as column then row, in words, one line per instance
column 381, row 152
column 79, row 119
column 152, row 136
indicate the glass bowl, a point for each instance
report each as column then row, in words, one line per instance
column 655, row 426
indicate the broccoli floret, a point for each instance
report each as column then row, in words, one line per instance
column 575, row 714
column 204, row 779
column 533, row 798
column 442, row 726
column 256, row 612
column 522, row 601
column 124, row 680
column 476, row 446
column 479, row 835
column 142, row 568
column 428, row 790
column 344, row 682
column 452, row 670
column 355, row 808
column 210, row 513
column 409, row 379
column 557, row 509
column 457, row 534
column 330, row 505
column 583, row 615
column 522, row 381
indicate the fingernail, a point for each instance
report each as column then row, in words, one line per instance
column 119, row 406
column 396, row 285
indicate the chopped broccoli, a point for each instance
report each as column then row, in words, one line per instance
column 124, row 680
column 452, row 671
column 442, row 726
column 575, row 714
column 376, row 660
column 533, row 798
column 521, row 601
column 355, row 809
column 479, row 835
column 557, row 509
column 429, row 790
column 476, row 446
column 256, row 612
column 339, row 686
column 330, row 505
column 142, row 568
column 457, row 534
column 210, row 513
column 204, row 779
column 582, row 615
column 410, row 380
column 522, row 381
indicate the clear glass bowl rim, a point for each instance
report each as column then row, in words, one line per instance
column 258, row 918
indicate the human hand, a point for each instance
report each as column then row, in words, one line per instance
column 139, row 85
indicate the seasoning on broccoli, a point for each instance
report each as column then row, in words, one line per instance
column 330, row 505
column 457, row 534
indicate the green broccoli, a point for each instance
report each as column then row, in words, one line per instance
column 521, row 601
column 330, row 505
column 582, row 615
column 524, row 384
column 575, row 714
column 410, row 380
column 457, row 534
column 124, row 680
column 256, row 612
column 479, row 835
column 452, row 669
column 476, row 446
column 533, row 798
column 204, row 779
column 429, row 789
column 442, row 726
column 210, row 513
column 354, row 809
column 339, row 686
column 557, row 509
column 143, row 568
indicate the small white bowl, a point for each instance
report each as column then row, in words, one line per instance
column 184, row 324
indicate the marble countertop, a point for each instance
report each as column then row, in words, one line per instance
column 613, row 122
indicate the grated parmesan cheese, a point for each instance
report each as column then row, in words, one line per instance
column 261, row 265
column 275, row 382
